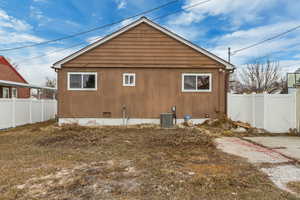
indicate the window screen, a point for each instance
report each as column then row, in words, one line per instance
column 196, row 82
column 82, row 81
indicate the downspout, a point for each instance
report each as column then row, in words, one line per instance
column 227, row 77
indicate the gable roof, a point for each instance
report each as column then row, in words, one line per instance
column 58, row 64
column 4, row 61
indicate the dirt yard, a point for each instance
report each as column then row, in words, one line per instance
column 43, row 161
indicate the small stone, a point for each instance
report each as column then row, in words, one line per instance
column 239, row 130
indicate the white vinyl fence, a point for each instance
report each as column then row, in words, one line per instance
column 275, row 113
column 16, row 112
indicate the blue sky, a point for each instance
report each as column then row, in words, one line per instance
column 215, row 25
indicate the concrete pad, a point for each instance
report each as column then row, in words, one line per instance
column 287, row 145
column 254, row 153
column 283, row 174
column 280, row 174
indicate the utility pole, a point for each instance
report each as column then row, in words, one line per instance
column 229, row 54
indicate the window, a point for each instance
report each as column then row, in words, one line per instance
column 293, row 80
column 196, row 82
column 5, row 92
column 128, row 79
column 14, row 93
column 82, row 81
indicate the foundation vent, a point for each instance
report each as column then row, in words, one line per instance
column 106, row 114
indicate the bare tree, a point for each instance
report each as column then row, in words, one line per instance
column 50, row 82
column 261, row 77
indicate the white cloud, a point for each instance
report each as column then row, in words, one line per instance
column 36, row 70
column 126, row 22
column 93, row 39
column 243, row 38
column 236, row 11
column 7, row 21
column 42, row 1
column 7, row 38
column 121, row 4
column 13, row 30
column 189, row 33
column 71, row 23
column 272, row 49
column 36, row 13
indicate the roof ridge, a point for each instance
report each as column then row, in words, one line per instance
column 154, row 25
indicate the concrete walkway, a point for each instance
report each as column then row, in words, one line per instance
column 288, row 146
column 254, row 153
column 282, row 173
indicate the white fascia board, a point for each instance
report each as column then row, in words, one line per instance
column 132, row 25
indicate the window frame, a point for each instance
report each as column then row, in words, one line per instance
column 12, row 92
column 5, row 88
column 128, row 84
column 196, row 74
column 83, row 73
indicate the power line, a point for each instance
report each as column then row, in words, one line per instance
column 53, row 52
column 91, row 30
column 95, row 39
column 266, row 40
column 180, row 10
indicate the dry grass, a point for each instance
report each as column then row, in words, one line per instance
column 294, row 186
column 43, row 161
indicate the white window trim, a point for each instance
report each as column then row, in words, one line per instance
column 5, row 88
column 83, row 73
column 197, row 74
column 129, row 74
column 12, row 92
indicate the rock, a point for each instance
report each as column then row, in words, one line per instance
column 210, row 122
column 181, row 125
column 226, row 126
column 258, row 131
column 261, row 130
column 239, row 130
column 227, row 132
column 191, row 173
column 190, row 123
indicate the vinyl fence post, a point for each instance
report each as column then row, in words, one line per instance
column 42, row 103
column 30, row 111
column 253, row 110
column 294, row 108
column 13, row 101
column 265, row 111
column 54, row 108
column 228, row 104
